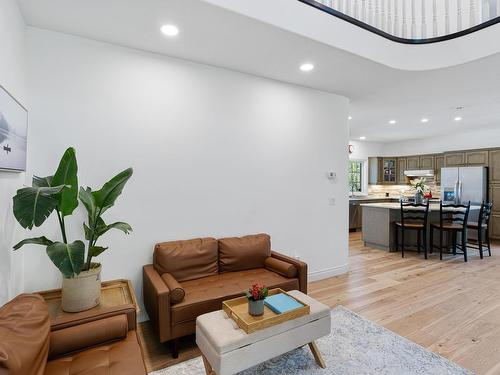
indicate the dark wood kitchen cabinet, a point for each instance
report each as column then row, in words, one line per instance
column 494, row 164
column 477, row 158
column 439, row 163
column 413, row 163
column 426, row 162
column 454, row 159
column 389, row 170
column 382, row 171
column 401, row 171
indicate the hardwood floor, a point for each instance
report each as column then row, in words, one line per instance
column 449, row 307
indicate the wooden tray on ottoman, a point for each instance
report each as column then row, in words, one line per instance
column 237, row 309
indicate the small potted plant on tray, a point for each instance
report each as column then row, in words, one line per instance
column 256, row 296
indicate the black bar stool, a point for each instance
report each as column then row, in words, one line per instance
column 413, row 218
column 452, row 221
column 483, row 228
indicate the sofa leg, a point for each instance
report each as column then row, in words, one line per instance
column 175, row 348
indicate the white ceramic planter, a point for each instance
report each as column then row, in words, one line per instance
column 82, row 292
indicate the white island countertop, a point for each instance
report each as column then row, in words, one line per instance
column 397, row 206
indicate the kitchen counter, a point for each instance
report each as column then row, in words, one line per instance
column 378, row 227
column 371, row 198
column 397, row 206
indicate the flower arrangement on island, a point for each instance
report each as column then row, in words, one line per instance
column 421, row 189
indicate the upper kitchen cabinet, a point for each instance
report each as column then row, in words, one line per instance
column 389, row 170
column 455, row 159
column 438, row 163
column 494, row 163
column 375, row 171
column 477, row 158
column 412, row 163
column 382, row 171
column 401, row 171
column 427, row 162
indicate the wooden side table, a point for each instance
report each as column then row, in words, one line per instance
column 113, row 293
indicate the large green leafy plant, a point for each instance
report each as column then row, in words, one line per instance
column 59, row 193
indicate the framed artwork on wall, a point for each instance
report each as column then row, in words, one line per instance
column 13, row 133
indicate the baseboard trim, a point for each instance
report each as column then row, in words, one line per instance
column 328, row 272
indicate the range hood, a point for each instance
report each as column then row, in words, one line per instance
column 420, row 173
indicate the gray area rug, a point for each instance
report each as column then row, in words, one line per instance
column 356, row 346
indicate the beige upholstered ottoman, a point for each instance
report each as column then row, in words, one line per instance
column 227, row 349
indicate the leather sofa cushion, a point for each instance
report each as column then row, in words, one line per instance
column 206, row 295
column 86, row 335
column 24, row 335
column 119, row 358
column 243, row 253
column 187, row 260
column 176, row 292
column 281, row 267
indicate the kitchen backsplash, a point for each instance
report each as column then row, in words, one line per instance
column 398, row 190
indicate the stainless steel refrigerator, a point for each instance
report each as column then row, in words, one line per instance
column 464, row 184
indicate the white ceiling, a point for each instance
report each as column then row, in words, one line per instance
column 216, row 36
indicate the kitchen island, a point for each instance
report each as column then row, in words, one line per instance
column 378, row 224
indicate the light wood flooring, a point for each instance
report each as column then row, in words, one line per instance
column 450, row 307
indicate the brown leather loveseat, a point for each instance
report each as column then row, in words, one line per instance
column 193, row 277
column 94, row 344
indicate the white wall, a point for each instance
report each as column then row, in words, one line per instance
column 463, row 140
column 364, row 150
column 12, row 78
column 215, row 153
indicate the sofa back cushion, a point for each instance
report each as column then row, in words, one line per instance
column 187, row 260
column 24, row 336
column 243, row 253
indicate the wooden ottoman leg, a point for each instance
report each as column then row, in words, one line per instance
column 317, row 355
column 208, row 367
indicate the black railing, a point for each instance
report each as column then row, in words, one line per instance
column 395, row 38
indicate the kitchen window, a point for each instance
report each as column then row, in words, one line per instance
column 355, row 176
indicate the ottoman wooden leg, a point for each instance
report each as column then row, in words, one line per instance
column 317, row 355
column 208, row 367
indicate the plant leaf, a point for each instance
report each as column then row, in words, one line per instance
column 35, row 241
column 33, row 205
column 96, row 250
column 66, row 174
column 87, row 231
column 106, row 197
column 68, row 258
column 124, row 227
column 87, row 198
column 42, row 181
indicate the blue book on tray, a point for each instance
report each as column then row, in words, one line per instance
column 282, row 303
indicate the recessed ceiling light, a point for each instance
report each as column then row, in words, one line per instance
column 349, row 118
column 458, row 118
column 424, row 120
column 392, row 122
column 170, row 30
column 307, row 67
column 362, row 138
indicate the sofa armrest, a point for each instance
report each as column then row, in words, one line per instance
column 177, row 293
column 301, row 268
column 157, row 302
column 87, row 335
column 281, row 267
column 94, row 315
